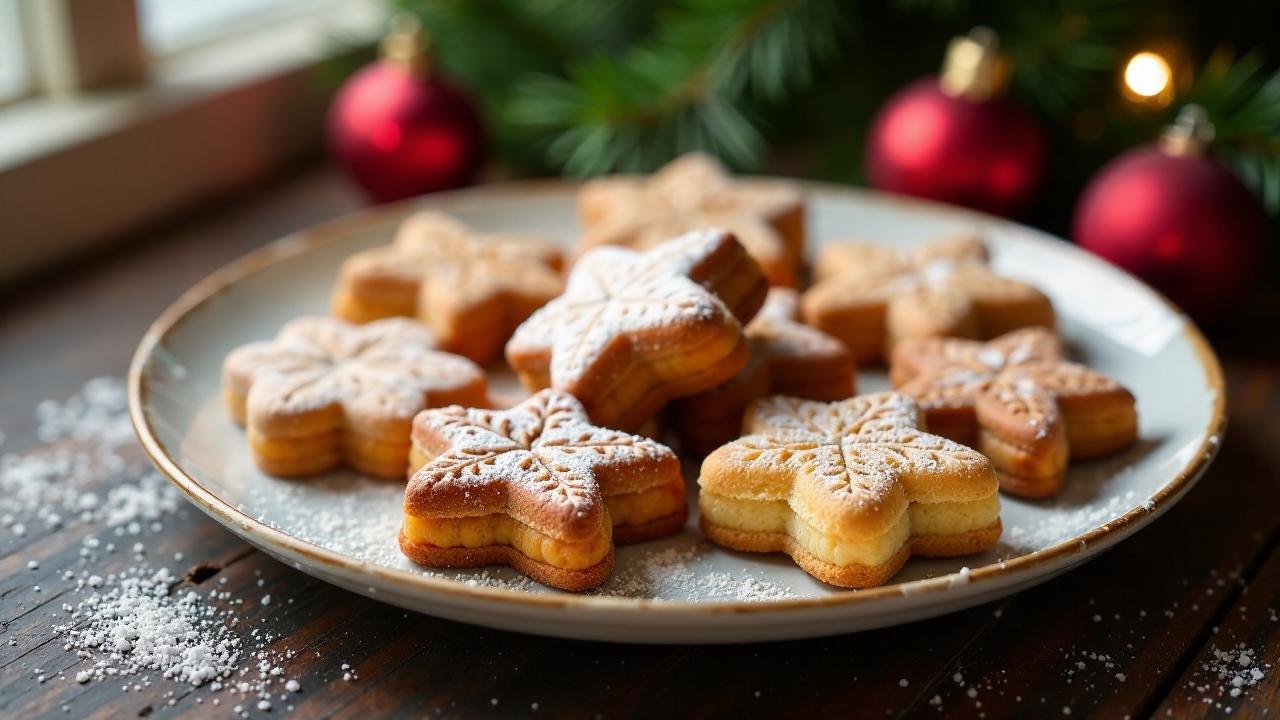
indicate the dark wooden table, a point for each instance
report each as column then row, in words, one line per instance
column 1128, row 634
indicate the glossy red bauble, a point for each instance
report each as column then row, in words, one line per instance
column 989, row 154
column 1183, row 223
column 399, row 134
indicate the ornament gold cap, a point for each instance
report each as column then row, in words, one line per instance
column 1190, row 134
column 974, row 67
column 407, row 45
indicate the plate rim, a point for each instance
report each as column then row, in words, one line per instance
column 307, row 239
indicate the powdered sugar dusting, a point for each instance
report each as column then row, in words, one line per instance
column 60, row 484
column 385, row 368
column 1229, row 673
column 545, row 445
column 778, row 328
column 858, row 446
column 675, row 573
column 616, row 293
column 355, row 517
column 1022, row 372
column 1069, row 519
column 137, row 625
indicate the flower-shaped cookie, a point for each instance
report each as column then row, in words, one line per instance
column 537, row 487
column 1017, row 401
column 694, row 192
column 634, row 330
column 326, row 392
column 787, row 358
column 871, row 297
column 848, row 489
column 471, row 289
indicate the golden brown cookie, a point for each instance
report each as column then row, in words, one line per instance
column 1016, row 400
column 848, row 489
column 870, row 297
column 692, row 192
column 471, row 289
column 536, row 487
column 634, row 330
column 326, row 393
column 787, row 358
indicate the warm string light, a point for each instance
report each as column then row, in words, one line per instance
column 1148, row 79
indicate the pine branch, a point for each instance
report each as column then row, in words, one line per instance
column 489, row 45
column 676, row 91
column 1242, row 100
column 1065, row 51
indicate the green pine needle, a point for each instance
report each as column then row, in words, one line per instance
column 1065, row 51
column 1243, row 102
column 694, row 84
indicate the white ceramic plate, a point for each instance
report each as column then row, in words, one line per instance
column 342, row 527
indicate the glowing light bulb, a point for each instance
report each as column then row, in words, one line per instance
column 1147, row 75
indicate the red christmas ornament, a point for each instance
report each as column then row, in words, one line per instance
column 1172, row 215
column 957, row 138
column 400, row 131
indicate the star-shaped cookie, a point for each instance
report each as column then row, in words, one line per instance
column 326, row 392
column 787, row 358
column 848, row 489
column 471, row 289
column 1016, row 400
column 870, row 297
column 537, row 487
column 634, row 330
column 692, row 192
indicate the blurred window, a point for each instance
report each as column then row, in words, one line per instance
column 13, row 65
column 169, row 25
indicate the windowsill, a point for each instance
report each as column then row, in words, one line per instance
column 77, row 171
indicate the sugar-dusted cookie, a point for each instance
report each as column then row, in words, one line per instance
column 870, row 297
column 693, row 192
column 326, row 393
column 471, row 289
column 848, row 489
column 634, row 330
column 787, row 358
column 536, row 487
column 1016, row 400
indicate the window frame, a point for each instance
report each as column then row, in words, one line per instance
column 23, row 84
column 192, row 125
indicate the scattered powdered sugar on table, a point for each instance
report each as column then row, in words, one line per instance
column 98, row 414
column 58, row 485
column 137, row 624
column 1228, row 673
column 1223, row 679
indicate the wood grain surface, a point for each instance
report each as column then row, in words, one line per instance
column 1128, row 634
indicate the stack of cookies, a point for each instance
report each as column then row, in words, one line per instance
column 679, row 318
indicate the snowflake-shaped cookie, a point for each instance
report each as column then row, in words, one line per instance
column 1019, row 402
column 634, row 330
column 692, row 192
column 541, row 463
column 802, row 360
column 471, row 289
column 870, row 297
column 326, row 391
column 847, row 471
column 787, row 358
